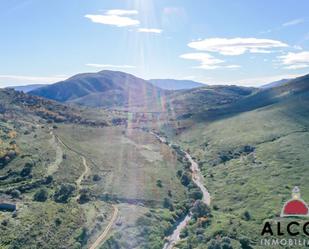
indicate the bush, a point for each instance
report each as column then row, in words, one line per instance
column 184, row 233
column 15, row 193
column 214, row 244
column 26, row 171
column 41, row 195
column 159, row 183
column 245, row 243
column 246, row 216
column 96, row 178
column 58, row 221
column 196, row 194
column 200, row 209
column 84, row 196
column 167, row 203
column 185, row 179
column 64, row 192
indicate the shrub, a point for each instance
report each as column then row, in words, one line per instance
column 26, row 171
column 96, row 178
column 15, row 193
column 58, row 221
column 84, row 196
column 245, row 243
column 184, row 233
column 214, row 244
column 159, row 183
column 41, row 195
column 64, row 192
column 167, row 203
column 200, row 209
column 185, row 179
column 246, row 216
column 196, row 194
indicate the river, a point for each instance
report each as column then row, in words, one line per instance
column 197, row 178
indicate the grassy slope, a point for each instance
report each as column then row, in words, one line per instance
column 24, row 129
column 259, row 181
column 129, row 161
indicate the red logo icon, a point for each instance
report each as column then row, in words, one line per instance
column 295, row 206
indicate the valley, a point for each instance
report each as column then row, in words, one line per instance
column 134, row 171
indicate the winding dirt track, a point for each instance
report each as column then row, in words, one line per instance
column 86, row 167
column 103, row 236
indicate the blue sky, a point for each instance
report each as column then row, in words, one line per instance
column 245, row 42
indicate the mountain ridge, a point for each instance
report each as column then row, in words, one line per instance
column 173, row 84
column 105, row 85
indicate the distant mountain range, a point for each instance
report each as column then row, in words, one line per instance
column 275, row 83
column 27, row 88
column 171, row 84
column 103, row 89
column 114, row 89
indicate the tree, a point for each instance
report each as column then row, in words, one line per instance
column 200, row 209
column 167, row 203
column 185, row 179
column 214, row 244
column 96, row 178
column 64, row 192
column 26, row 170
column 41, row 195
column 84, row 196
column 196, row 194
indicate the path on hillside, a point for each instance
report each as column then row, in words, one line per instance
column 53, row 167
column 84, row 162
column 85, row 172
column 103, row 236
column 197, row 178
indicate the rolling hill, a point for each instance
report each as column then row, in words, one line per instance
column 275, row 83
column 69, row 169
column 171, row 84
column 104, row 89
column 251, row 145
column 252, row 153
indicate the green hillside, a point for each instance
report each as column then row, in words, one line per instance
column 69, row 169
column 251, row 158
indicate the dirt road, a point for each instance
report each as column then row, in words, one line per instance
column 103, row 236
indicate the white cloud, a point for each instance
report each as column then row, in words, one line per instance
column 293, row 22
column 207, row 61
column 297, row 66
column 295, row 60
column 108, row 66
column 119, row 12
column 148, row 30
column 259, row 51
column 116, row 17
column 13, row 80
column 236, row 46
column 233, row 66
column 297, row 47
column 119, row 21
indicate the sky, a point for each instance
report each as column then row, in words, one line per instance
column 243, row 42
